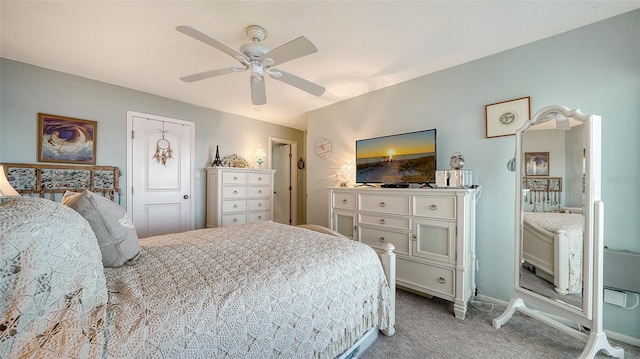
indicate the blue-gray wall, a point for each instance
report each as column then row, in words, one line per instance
column 26, row 90
column 595, row 68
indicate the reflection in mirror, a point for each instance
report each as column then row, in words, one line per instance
column 552, row 201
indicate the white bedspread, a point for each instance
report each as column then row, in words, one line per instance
column 572, row 224
column 257, row 290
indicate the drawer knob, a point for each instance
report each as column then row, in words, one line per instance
column 415, row 237
column 344, row 201
column 235, row 192
column 235, row 220
column 382, row 204
column 381, row 220
column 259, row 191
column 235, row 206
column 259, row 178
column 433, row 207
column 259, row 204
column 235, row 178
column 259, row 217
column 381, row 239
column 441, row 280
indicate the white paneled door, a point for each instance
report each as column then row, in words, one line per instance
column 159, row 168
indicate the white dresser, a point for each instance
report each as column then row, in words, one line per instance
column 433, row 231
column 238, row 195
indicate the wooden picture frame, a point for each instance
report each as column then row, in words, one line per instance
column 505, row 118
column 536, row 163
column 66, row 140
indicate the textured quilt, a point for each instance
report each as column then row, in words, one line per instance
column 258, row 290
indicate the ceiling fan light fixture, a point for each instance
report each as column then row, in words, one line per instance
column 258, row 59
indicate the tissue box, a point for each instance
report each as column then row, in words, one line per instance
column 442, row 178
column 460, row 178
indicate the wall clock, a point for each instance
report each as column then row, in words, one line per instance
column 323, row 148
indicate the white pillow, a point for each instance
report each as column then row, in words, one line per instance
column 53, row 292
column 114, row 229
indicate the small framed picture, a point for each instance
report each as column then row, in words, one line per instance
column 505, row 118
column 536, row 163
column 66, row 140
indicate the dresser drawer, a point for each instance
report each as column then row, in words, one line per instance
column 384, row 204
column 233, row 219
column 256, row 204
column 234, row 192
column 259, row 178
column 234, row 206
column 376, row 238
column 437, row 279
column 234, row 177
column 384, row 221
column 344, row 200
column 434, row 207
column 261, row 191
column 259, row 216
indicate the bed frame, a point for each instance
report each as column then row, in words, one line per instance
column 52, row 181
column 548, row 253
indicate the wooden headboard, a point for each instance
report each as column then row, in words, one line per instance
column 51, row 181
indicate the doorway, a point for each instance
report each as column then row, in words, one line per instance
column 283, row 156
column 159, row 168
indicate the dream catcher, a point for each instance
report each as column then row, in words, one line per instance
column 163, row 149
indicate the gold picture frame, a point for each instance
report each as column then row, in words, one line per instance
column 66, row 140
column 505, row 118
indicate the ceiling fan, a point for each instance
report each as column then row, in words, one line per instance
column 259, row 60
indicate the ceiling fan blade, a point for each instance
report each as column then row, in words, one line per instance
column 299, row 82
column 199, row 35
column 208, row 74
column 291, row 50
column 258, row 92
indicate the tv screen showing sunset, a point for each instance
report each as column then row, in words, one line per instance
column 408, row 157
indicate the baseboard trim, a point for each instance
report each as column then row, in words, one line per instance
column 622, row 338
column 610, row 334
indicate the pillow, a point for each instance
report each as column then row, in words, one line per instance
column 114, row 229
column 53, row 292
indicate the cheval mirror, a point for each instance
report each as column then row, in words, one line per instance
column 559, row 226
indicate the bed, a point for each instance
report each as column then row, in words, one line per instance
column 552, row 244
column 257, row 290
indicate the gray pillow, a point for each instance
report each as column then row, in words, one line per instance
column 112, row 226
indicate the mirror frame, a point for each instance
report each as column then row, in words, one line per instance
column 545, row 309
column 561, row 114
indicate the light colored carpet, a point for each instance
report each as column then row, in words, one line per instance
column 427, row 328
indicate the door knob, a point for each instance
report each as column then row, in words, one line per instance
column 186, row 196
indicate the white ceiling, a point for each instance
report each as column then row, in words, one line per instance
column 363, row 45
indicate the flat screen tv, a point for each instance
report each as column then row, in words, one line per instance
column 397, row 159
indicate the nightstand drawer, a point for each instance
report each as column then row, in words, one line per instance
column 434, row 207
column 384, row 221
column 232, row 219
column 234, row 177
column 234, row 206
column 259, row 191
column 234, row 192
column 256, row 204
column 344, row 200
column 384, row 204
column 376, row 238
column 259, row 178
column 436, row 279
column 259, row 216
